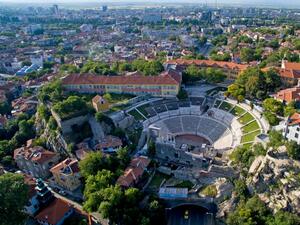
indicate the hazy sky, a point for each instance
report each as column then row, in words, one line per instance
column 278, row 3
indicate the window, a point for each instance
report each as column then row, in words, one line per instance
column 296, row 135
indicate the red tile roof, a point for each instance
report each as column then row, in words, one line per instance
column 37, row 154
column 288, row 73
column 294, row 119
column 118, row 80
column 109, row 142
column 133, row 172
column 54, row 212
column 208, row 63
column 289, row 94
column 292, row 66
column 71, row 165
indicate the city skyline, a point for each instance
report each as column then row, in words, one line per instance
column 262, row 3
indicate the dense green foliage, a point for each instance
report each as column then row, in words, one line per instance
column 118, row 205
column 254, row 212
column 15, row 134
column 13, row 197
column 211, row 75
column 244, row 155
column 72, row 106
column 254, row 84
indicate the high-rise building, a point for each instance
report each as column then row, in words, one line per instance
column 104, row 8
column 55, row 9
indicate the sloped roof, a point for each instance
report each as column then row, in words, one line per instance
column 294, row 119
column 118, row 80
column 70, row 165
column 54, row 212
column 208, row 63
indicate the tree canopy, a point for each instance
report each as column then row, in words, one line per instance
column 13, row 198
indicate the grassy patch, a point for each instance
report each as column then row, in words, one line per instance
column 136, row 115
column 113, row 98
column 225, row 106
column 246, row 118
column 237, row 111
column 142, row 109
column 157, row 179
column 248, row 145
column 250, row 127
column 185, row 184
column 210, row 191
column 217, row 103
column 250, row 137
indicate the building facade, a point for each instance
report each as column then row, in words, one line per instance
column 66, row 174
column 164, row 85
column 230, row 69
column 35, row 161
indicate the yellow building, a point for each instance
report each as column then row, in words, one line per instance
column 66, row 174
column 100, row 104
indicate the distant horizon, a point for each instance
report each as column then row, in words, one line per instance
column 253, row 3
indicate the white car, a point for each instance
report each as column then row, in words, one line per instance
column 62, row 192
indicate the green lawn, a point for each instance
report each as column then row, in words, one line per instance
column 217, row 103
column 225, row 106
column 142, row 109
column 248, row 145
column 185, row 184
column 250, row 127
column 237, row 111
column 250, row 137
column 246, row 118
column 157, row 179
column 113, row 98
column 136, row 115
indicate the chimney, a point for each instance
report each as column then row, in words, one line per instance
column 282, row 64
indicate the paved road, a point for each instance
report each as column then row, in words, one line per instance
column 195, row 217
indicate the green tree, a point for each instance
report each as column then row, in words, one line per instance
column 13, row 198
column 91, row 164
column 276, row 139
column 253, row 212
column 293, row 150
column 247, row 54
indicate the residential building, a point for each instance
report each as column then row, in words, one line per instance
column 55, row 213
column 109, row 144
column 35, row 160
column 134, row 172
column 66, row 174
column 32, row 205
column 230, row 69
column 289, row 73
column 166, row 84
column 288, row 95
column 100, row 104
column 291, row 128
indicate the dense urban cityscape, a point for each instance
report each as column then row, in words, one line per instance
column 141, row 113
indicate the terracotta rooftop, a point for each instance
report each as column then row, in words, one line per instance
column 54, row 212
column 208, row 63
column 294, row 119
column 98, row 98
column 291, row 65
column 68, row 166
column 37, row 154
column 133, row 172
column 289, row 94
column 109, row 142
column 118, row 80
